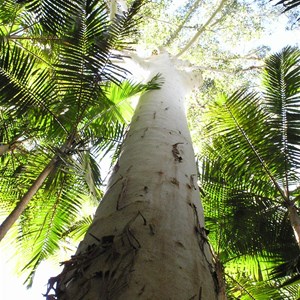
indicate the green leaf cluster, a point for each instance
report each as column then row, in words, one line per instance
column 250, row 180
column 64, row 104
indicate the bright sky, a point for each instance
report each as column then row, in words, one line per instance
column 11, row 287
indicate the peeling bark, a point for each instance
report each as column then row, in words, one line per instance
column 147, row 240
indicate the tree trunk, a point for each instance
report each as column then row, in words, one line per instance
column 148, row 240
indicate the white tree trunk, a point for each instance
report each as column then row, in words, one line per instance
column 147, row 240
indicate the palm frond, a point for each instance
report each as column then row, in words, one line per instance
column 241, row 125
column 288, row 271
column 79, row 228
column 249, row 173
column 55, row 16
column 244, row 288
column 26, row 88
column 52, row 216
column 124, row 26
column 281, row 80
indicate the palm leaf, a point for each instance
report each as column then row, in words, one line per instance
column 59, row 96
column 247, row 289
column 41, row 238
column 281, row 98
column 24, row 87
column 55, row 16
column 249, row 174
column 79, row 228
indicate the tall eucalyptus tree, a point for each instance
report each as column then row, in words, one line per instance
column 148, row 234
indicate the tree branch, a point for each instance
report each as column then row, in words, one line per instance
column 179, row 28
column 202, row 29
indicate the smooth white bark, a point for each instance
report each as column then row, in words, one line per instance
column 147, row 240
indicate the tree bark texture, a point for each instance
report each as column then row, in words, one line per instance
column 148, row 240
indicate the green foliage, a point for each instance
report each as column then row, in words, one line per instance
column 250, row 175
column 63, row 98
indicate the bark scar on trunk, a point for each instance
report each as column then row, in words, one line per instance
column 200, row 293
column 122, row 193
column 192, row 183
column 201, row 233
column 176, row 152
column 175, row 181
column 145, row 130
